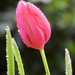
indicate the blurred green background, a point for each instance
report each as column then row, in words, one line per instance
column 61, row 14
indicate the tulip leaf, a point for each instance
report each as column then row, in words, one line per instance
column 9, row 53
column 68, row 65
column 18, row 57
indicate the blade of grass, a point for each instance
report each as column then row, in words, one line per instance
column 18, row 57
column 9, row 53
column 68, row 65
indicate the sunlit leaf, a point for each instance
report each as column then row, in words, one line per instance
column 18, row 57
column 68, row 63
column 9, row 53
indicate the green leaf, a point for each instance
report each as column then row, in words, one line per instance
column 68, row 65
column 9, row 53
column 18, row 57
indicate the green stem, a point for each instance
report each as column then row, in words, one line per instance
column 45, row 62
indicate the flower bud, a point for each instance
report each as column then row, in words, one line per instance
column 32, row 24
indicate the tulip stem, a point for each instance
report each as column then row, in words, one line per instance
column 45, row 62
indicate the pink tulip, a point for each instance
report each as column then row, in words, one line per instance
column 32, row 24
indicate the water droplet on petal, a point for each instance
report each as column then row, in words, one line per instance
column 18, row 30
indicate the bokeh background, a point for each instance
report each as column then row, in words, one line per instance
column 61, row 15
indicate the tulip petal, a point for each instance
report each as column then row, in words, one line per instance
column 21, row 23
column 38, row 35
column 41, row 20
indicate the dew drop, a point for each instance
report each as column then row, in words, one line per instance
column 6, row 56
column 24, row 3
column 7, row 73
column 6, row 36
column 18, row 30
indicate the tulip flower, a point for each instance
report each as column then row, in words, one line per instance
column 32, row 24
